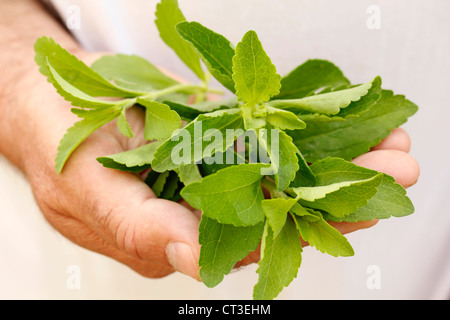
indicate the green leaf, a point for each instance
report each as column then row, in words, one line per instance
column 283, row 119
column 321, row 192
column 222, row 245
column 339, row 198
column 389, row 201
column 255, row 77
column 123, row 125
column 168, row 15
column 134, row 160
column 111, row 164
column 81, row 130
column 191, row 149
column 331, row 172
column 276, row 211
column 335, row 170
column 160, row 120
column 306, row 213
column 74, row 71
column 219, row 161
column 171, row 187
column 189, row 173
column 164, row 185
column 280, row 260
column 262, row 115
column 214, row 105
column 356, row 108
column 132, row 72
column 253, row 117
column 329, row 103
column 231, row 196
column 157, row 185
column 309, row 77
column 355, row 134
column 214, row 50
column 73, row 95
column 283, row 156
column 304, row 177
column 323, row 236
column 186, row 112
column 190, row 112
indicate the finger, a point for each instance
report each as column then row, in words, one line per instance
column 397, row 140
column 398, row 164
column 184, row 203
column 348, row 227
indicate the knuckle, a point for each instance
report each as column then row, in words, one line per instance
column 123, row 231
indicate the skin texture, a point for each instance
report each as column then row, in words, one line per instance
column 110, row 212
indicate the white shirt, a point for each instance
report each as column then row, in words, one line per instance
column 405, row 42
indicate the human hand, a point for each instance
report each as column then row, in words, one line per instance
column 106, row 211
column 116, row 214
column 110, row 212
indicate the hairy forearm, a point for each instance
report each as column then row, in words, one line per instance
column 21, row 23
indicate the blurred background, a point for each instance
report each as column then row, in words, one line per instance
column 406, row 42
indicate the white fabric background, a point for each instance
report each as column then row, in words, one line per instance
column 410, row 53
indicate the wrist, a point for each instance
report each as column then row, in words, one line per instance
column 33, row 118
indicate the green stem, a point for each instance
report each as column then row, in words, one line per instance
column 201, row 90
column 269, row 184
column 187, row 88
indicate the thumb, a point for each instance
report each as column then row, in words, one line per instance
column 122, row 210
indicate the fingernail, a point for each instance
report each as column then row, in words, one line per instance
column 181, row 258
